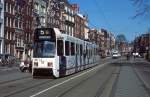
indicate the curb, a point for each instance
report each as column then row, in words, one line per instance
column 8, row 68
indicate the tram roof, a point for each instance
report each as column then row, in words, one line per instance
column 62, row 36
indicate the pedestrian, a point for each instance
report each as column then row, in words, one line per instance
column 134, row 56
column 128, row 56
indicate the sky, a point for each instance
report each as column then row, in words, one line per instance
column 115, row 16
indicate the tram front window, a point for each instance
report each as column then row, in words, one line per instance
column 44, row 49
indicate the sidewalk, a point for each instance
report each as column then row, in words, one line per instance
column 8, row 67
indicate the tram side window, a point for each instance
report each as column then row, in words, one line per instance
column 81, row 48
column 60, row 48
column 96, row 51
column 67, row 50
column 89, row 53
column 72, row 48
column 77, row 49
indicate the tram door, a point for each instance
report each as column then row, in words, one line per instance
column 62, row 58
column 62, row 65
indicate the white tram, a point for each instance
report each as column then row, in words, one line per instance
column 60, row 54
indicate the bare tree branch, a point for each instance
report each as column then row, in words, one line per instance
column 138, row 3
column 142, row 8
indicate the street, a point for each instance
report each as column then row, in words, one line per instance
column 110, row 78
column 74, row 48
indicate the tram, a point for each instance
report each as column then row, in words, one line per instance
column 59, row 54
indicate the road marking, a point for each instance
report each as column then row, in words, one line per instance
column 68, row 80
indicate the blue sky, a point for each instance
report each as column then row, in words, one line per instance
column 113, row 15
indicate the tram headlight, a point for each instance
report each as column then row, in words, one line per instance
column 36, row 64
column 49, row 64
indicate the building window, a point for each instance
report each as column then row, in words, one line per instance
column 13, row 10
column 0, row 47
column 69, row 30
column 0, row 11
column 66, row 27
column 10, row 8
column 10, row 22
column 0, row 29
column 20, row 24
column 6, row 34
column 43, row 9
column 36, row 6
column 16, row 23
column 6, row 7
column 6, row 21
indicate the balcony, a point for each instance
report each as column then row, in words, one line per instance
column 35, row 12
column 42, row 14
column 18, row 30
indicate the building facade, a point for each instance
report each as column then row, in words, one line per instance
column 79, row 26
column 54, row 13
column 93, row 35
column 1, row 26
column 142, row 43
column 40, row 13
column 9, row 27
column 67, row 18
column 18, row 27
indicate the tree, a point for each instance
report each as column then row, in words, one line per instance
column 121, row 42
column 142, row 8
column 121, row 38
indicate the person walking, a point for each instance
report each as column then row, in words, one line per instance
column 128, row 56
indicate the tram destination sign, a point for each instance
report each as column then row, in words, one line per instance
column 45, row 34
column 44, row 37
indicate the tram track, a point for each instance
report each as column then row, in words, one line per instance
column 62, row 94
column 107, row 81
column 13, row 80
column 27, row 88
column 101, row 88
column 66, row 91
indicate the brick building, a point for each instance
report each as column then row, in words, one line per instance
column 142, row 41
column 18, row 27
column 79, row 26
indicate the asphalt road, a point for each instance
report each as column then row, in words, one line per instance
column 99, row 81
